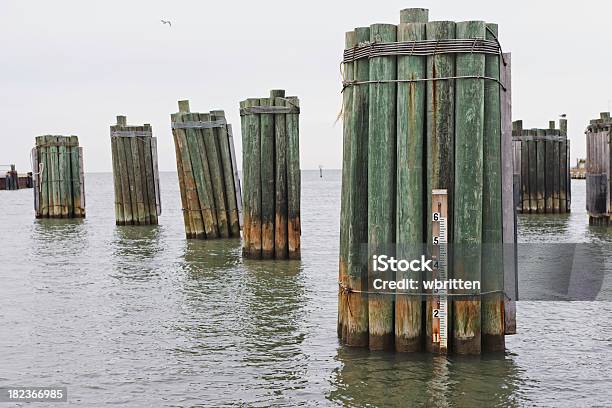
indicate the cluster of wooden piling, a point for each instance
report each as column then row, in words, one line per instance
column 598, row 176
column 58, row 177
column 208, row 176
column 417, row 122
column 542, row 163
column 271, row 171
column 135, row 174
column 15, row 181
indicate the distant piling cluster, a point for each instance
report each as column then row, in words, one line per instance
column 426, row 108
column 135, row 174
column 542, row 163
column 59, row 185
column 208, row 176
column 598, row 174
column 271, row 171
column 15, row 181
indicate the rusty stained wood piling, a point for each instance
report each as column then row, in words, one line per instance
column 434, row 122
column 134, row 174
column 59, row 188
column 206, row 172
column 271, row 200
column 598, row 177
column 543, row 168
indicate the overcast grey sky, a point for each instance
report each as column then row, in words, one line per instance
column 71, row 66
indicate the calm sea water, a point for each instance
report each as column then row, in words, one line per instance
column 139, row 316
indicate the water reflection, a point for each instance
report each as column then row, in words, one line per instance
column 54, row 238
column 272, row 321
column 135, row 250
column 389, row 379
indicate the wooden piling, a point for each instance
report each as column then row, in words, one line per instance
column 440, row 140
column 271, row 176
column 205, row 164
column 435, row 122
column 59, row 190
column 381, row 181
column 133, row 174
column 469, row 120
column 411, row 117
column 492, row 223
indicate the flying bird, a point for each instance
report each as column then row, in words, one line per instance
column 167, row 22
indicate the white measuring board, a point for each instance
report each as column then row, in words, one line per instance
column 439, row 210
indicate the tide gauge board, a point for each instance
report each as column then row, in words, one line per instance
column 439, row 211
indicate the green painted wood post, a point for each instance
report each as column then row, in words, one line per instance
column 187, row 222
column 54, row 198
column 246, row 181
column 78, row 180
column 206, row 192
column 140, row 164
column 190, row 178
column 216, row 176
column 137, row 179
column 469, row 125
column 63, row 160
column 119, row 219
column 492, row 223
column 345, row 208
column 526, row 192
column 556, row 180
column 549, row 169
column 254, row 132
column 440, row 140
column 540, row 171
column 267, row 182
column 43, row 151
column 150, row 175
column 411, row 219
column 222, row 137
column 381, row 181
column 563, row 175
column 533, row 175
column 122, row 163
column 294, row 224
column 281, row 244
column 357, row 322
column 205, row 184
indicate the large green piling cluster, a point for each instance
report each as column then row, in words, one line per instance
column 598, row 176
column 271, row 171
column 541, row 159
column 425, row 118
column 59, row 182
column 208, row 178
column 135, row 174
